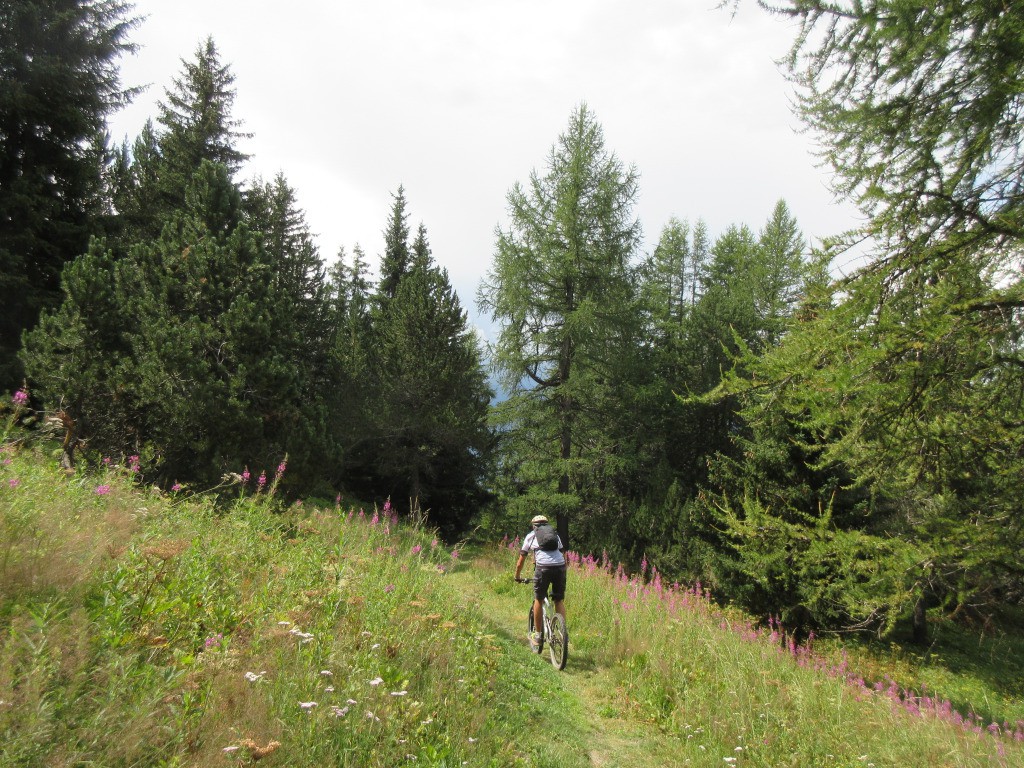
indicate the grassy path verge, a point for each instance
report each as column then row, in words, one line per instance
column 607, row 737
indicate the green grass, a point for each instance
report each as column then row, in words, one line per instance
column 145, row 629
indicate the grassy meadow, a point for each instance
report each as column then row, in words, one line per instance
column 142, row 628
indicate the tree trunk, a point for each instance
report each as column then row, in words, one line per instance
column 920, row 622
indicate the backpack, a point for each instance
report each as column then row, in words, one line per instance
column 547, row 539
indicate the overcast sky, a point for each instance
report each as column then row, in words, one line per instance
column 458, row 100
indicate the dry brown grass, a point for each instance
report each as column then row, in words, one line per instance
column 48, row 547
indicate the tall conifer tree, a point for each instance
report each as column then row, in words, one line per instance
column 58, row 83
column 561, row 286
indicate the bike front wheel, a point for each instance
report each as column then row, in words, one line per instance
column 558, row 643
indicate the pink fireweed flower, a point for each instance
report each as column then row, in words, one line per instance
column 20, row 398
column 389, row 588
column 14, row 482
column 433, row 544
column 245, row 475
column 337, row 500
column 455, row 554
column 214, row 640
column 281, row 468
column 387, row 505
column 262, row 479
column 133, row 463
column 417, row 549
column 102, row 490
column 176, row 487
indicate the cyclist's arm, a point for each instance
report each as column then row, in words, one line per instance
column 519, row 563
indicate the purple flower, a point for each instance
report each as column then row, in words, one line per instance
column 176, row 487
column 245, row 475
column 417, row 549
column 102, row 490
column 455, row 554
column 262, row 479
column 20, row 398
column 14, row 482
column 389, row 588
column 281, row 468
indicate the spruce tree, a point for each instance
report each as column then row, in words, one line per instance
column 433, row 403
column 58, row 83
column 396, row 259
column 196, row 123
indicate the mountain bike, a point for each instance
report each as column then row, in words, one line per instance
column 555, row 633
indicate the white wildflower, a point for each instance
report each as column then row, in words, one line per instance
column 377, row 681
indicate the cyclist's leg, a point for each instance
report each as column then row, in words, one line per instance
column 540, row 589
column 558, row 590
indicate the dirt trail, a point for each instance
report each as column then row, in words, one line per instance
column 613, row 741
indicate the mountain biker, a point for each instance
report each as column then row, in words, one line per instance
column 549, row 570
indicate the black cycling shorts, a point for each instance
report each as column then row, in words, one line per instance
column 549, row 575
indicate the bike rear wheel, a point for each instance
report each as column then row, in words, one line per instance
column 530, row 630
column 558, row 643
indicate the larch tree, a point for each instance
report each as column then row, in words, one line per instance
column 561, row 287
column 907, row 374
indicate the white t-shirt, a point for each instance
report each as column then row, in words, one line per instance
column 542, row 556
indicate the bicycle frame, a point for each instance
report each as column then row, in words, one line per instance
column 553, row 630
